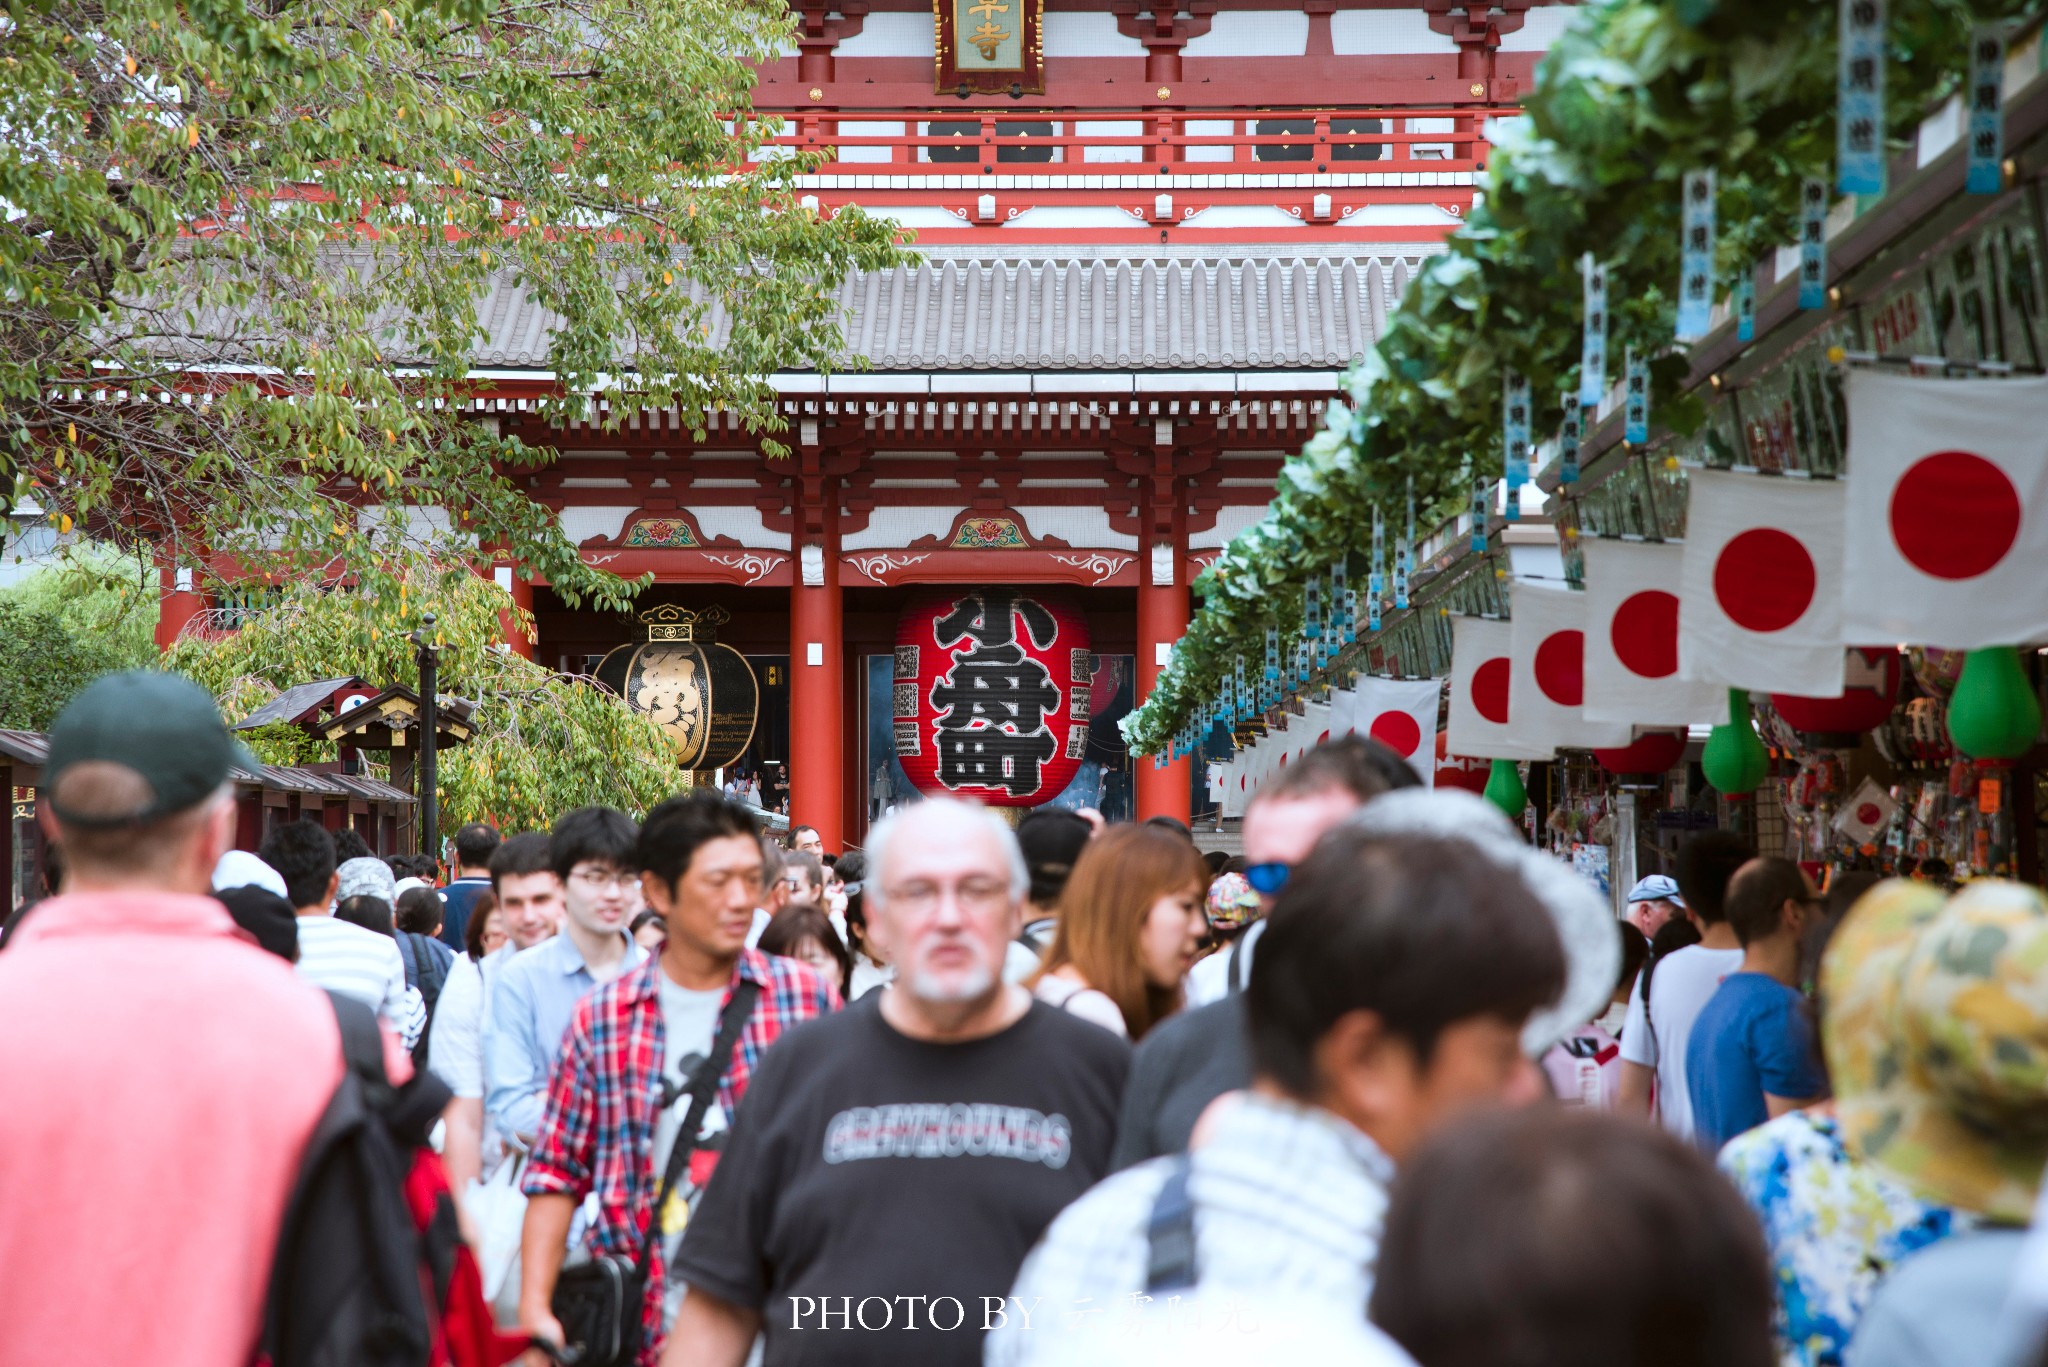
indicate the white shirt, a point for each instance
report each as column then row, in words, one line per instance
column 1288, row 1204
column 761, row 920
column 455, row 1043
column 1679, row 989
column 1088, row 1003
column 359, row 963
column 1209, row 980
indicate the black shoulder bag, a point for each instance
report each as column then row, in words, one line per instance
column 599, row 1302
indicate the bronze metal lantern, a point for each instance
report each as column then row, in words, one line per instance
column 703, row 694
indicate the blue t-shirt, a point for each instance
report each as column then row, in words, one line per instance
column 456, row 900
column 1753, row 1036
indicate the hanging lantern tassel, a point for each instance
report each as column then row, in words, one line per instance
column 1994, row 713
column 1734, row 760
column 1504, row 789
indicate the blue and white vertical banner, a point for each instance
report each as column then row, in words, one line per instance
column 1482, row 510
column 1343, row 602
column 1272, row 652
column 1301, row 661
column 1813, row 243
column 1570, row 433
column 1312, row 608
column 1987, row 110
column 1593, row 349
column 1696, row 257
column 1404, row 554
column 1245, row 706
column 1744, row 304
column 1859, row 99
column 1376, row 577
column 1514, row 429
column 1636, row 410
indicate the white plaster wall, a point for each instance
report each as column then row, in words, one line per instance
column 1252, row 33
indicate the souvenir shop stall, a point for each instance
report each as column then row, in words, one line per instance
column 1708, row 494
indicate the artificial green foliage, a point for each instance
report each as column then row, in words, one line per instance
column 1633, row 96
column 283, row 219
column 544, row 744
column 44, row 659
column 1504, row 788
column 1733, row 759
column 1994, row 712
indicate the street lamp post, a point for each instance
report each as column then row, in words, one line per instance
column 429, row 658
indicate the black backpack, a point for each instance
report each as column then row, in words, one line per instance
column 426, row 968
column 348, row 1285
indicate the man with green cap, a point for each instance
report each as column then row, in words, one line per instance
column 162, row 1072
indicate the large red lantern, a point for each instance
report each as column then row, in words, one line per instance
column 992, row 695
column 1456, row 771
column 1870, row 690
column 1653, row 752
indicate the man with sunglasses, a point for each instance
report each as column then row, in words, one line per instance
column 592, row 852
column 1201, row 1053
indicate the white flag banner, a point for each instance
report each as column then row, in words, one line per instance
column 1948, row 495
column 1547, row 687
column 1632, row 592
column 1315, row 727
column 1760, row 605
column 1479, row 723
column 1401, row 715
column 1869, row 810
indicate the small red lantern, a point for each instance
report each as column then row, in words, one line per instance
column 1456, row 771
column 991, row 695
column 1869, row 692
column 1653, row 752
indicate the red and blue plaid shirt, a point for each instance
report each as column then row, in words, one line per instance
column 598, row 1131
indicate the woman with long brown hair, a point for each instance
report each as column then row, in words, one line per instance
column 1129, row 922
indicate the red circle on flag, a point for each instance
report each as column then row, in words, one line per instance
column 1561, row 667
column 1490, row 690
column 1868, row 813
column 1763, row 580
column 1645, row 634
column 1954, row 515
column 1397, row 731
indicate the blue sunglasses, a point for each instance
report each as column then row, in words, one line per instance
column 1267, row 879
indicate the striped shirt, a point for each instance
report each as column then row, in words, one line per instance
column 362, row 964
column 1288, row 1203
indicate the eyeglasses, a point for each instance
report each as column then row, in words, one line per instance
column 1267, row 879
column 599, row 879
column 974, row 894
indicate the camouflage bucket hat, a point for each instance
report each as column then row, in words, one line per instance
column 1232, row 902
column 1936, row 1031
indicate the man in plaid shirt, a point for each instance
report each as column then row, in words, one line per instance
column 604, row 1130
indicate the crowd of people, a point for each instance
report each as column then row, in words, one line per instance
column 1392, row 1087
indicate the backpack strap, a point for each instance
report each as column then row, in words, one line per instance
column 362, row 1047
column 1170, row 1233
column 1236, row 965
column 702, row 1086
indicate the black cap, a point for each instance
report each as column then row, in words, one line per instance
column 164, row 727
column 266, row 916
column 1052, row 838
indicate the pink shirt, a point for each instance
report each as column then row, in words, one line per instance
column 160, row 1077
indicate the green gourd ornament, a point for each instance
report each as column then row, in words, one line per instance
column 1734, row 760
column 1994, row 713
column 1504, row 788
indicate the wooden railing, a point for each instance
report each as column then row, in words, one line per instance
column 934, row 142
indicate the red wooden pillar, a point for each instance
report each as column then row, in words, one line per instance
column 521, row 589
column 1162, row 618
column 817, row 650
column 1162, row 597
column 179, row 602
